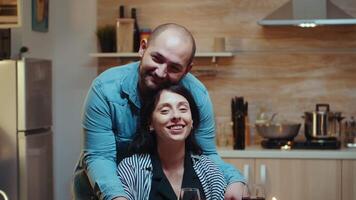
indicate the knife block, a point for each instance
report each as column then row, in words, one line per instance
column 124, row 34
column 239, row 110
column 239, row 133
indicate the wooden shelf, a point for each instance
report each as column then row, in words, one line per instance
column 212, row 55
column 9, row 22
column 11, row 19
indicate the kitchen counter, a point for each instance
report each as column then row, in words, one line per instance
column 258, row 152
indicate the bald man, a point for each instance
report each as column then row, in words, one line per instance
column 112, row 111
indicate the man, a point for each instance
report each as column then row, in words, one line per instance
column 112, row 110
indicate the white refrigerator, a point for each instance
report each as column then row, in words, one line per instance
column 26, row 161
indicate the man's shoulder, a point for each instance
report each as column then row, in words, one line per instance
column 193, row 84
column 116, row 73
column 114, row 80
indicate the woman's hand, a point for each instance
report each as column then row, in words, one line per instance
column 235, row 191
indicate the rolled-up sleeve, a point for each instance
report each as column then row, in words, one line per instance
column 205, row 135
column 99, row 145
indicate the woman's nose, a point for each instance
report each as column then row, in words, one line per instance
column 176, row 115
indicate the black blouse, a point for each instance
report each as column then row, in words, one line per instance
column 161, row 189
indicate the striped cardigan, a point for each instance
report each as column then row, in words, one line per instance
column 135, row 173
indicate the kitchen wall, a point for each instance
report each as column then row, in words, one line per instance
column 282, row 69
column 67, row 43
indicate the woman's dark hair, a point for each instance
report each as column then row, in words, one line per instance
column 145, row 141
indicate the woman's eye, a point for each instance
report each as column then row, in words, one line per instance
column 164, row 111
column 183, row 109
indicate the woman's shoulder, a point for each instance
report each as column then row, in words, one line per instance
column 203, row 160
column 136, row 160
column 210, row 177
column 207, row 166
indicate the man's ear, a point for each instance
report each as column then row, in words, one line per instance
column 189, row 67
column 143, row 47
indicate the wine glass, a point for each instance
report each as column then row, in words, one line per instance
column 254, row 192
column 189, row 194
column 245, row 193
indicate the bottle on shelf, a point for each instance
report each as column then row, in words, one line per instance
column 136, row 33
column 124, row 32
column 121, row 11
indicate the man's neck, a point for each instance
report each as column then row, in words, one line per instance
column 145, row 93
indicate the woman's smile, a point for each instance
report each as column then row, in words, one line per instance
column 172, row 119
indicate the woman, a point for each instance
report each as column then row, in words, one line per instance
column 166, row 157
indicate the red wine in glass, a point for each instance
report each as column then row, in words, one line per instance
column 253, row 198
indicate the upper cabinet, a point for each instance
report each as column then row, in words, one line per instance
column 10, row 13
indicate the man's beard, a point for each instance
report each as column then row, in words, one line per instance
column 149, row 91
column 163, row 85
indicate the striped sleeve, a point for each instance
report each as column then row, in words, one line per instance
column 211, row 178
column 126, row 174
column 135, row 173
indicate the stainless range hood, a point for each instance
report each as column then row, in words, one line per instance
column 308, row 13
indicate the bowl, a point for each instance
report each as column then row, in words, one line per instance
column 278, row 130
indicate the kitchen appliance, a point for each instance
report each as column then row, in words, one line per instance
column 322, row 130
column 25, row 129
column 322, row 124
column 286, row 131
column 295, row 144
column 308, row 13
column 350, row 133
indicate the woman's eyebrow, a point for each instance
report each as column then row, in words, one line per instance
column 159, row 106
column 185, row 103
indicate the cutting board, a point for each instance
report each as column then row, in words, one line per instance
column 124, row 34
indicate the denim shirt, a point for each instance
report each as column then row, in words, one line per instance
column 110, row 119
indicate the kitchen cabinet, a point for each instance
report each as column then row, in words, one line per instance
column 349, row 179
column 10, row 13
column 295, row 179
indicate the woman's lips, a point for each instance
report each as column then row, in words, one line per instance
column 176, row 128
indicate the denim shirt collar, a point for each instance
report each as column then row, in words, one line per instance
column 130, row 85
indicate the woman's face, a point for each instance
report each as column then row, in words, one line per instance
column 171, row 118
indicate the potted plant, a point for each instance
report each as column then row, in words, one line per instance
column 107, row 38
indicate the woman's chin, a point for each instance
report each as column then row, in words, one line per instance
column 178, row 138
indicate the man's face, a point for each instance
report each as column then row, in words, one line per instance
column 164, row 61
